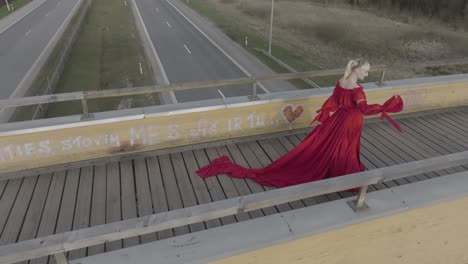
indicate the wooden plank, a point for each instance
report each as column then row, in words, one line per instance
column 420, row 143
column 213, row 185
column 98, row 204
column 265, row 160
column 445, row 140
column 51, row 210
column 38, row 201
column 185, row 187
column 174, row 200
column 395, row 144
column 83, row 206
column 113, row 203
column 33, row 216
column 460, row 118
column 240, row 184
column 443, row 147
column 2, row 187
column 18, row 212
column 460, row 126
column 95, row 235
column 375, row 156
column 201, row 191
column 226, row 184
column 446, row 131
column 431, row 148
column 431, row 141
column 449, row 131
column 391, row 155
column 7, row 201
column 67, row 207
column 143, row 194
column 418, row 146
column 158, row 194
column 456, row 123
column 128, row 199
column 244, row 156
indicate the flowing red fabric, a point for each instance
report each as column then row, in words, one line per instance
column 331, row 149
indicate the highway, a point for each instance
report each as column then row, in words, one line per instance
column 22, row 42
column 187, row 54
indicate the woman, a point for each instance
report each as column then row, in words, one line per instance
column 331, row 149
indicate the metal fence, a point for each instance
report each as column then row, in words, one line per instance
column 85, row 95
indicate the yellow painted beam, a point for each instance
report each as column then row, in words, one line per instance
column 89, row 141
column 436, row 234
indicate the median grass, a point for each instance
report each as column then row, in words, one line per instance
column 16, row 4
column 106, row 55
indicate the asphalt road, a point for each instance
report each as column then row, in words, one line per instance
column 22, row 43
column 187, row 55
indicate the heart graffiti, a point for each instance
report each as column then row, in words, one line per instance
column 291, row 113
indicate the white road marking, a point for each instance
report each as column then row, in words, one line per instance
column 169, row 25
column 27, row 33
column 158, row 60
column 186, row 48
column 157, row 9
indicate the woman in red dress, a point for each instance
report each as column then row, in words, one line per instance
column 331, row 149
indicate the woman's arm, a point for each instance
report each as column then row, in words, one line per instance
column 392, row 105
column 368, row 109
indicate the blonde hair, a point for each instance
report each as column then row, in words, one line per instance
column 353, row 65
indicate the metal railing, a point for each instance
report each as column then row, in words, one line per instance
column 84, row 96
column 58, row 244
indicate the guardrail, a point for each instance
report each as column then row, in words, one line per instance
column 58, row 244
column 85, row 95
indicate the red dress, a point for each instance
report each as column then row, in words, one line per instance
column 330, row 150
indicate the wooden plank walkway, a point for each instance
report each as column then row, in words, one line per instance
column 57, row 202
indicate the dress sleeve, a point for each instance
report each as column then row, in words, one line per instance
column 330, row 105
column 392, row 105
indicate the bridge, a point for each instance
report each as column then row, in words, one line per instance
column 120, row 187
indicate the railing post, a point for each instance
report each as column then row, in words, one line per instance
column 359, row 204
column 84, row 103
column 381, row 78
column 254, row 96
column 60, row 258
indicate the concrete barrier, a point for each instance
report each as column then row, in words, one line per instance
column 154, row 129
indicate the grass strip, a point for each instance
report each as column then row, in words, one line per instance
column 106, row 55
column 16, row 4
